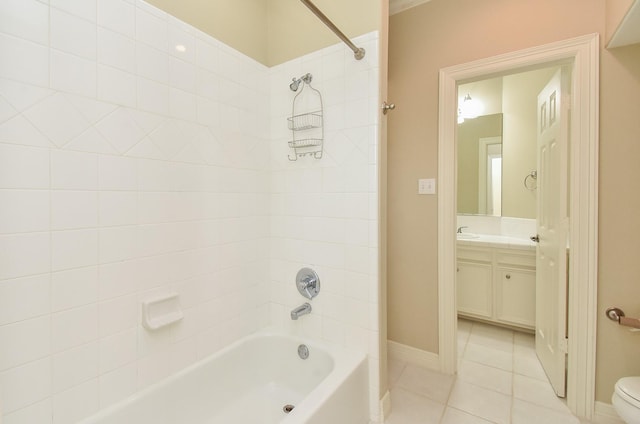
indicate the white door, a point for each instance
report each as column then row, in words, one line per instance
column 552, row 223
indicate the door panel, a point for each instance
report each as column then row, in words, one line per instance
column 552, row 223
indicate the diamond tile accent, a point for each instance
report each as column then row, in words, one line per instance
column 56, row 118
column 91, row 141
column 92, row 110
column 20, row 131
column 22, row 96
column 120, row 129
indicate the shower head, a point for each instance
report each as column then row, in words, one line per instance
column 294, row 84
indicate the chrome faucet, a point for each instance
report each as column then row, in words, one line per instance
column 460, row 229
column 303, row 309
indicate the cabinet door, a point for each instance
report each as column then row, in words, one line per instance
column 516, row 296
column 474, row 289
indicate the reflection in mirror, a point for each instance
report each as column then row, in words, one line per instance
column 497, row 150
column 480, row 165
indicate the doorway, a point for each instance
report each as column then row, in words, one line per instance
column 582, row 53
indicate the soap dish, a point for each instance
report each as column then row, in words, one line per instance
column 161, row 311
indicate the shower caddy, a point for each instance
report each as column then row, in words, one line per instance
column 306, row 122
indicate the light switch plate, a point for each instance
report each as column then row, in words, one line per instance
column 427, row 186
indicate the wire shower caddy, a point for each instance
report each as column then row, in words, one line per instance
column 306, row 122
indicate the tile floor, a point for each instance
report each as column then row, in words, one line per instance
column 499, row 381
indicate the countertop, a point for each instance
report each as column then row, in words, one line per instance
column 502, row 242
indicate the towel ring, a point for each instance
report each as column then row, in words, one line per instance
column 531, row 181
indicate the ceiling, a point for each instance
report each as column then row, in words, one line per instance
column 629, row 30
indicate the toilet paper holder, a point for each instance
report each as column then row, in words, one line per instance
column 616, row 314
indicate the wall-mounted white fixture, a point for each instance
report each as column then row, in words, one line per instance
column 469, row 108
column 308, row 283
column 161, row 311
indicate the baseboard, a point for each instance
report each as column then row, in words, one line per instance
column 412, row 355
column 385, row 406
column 605, row 414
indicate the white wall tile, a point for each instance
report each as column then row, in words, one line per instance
column 118, row 16
column 153, row 96
column 182, row 105
column 116, row 86
column 74, row 288
column 86, row 9
column 74, row 327
column 73, row 209
column 118, row 208
column 75, row 366
column 24, row 298
column 24, row 385
column 182, row 75
column 39, row 412
column 152, row 63
column 118, row 244
column 117, row 173
column 74, row 170
column 77, row 403
column 74, row 249
column 182, row 44
column 152, row 30
column 57, row 118
column 24, row 211
column 118, row 279
column 118, row 314
column 121, row 129
column 24, row 254
column 117, row 385
column 29, row 61
column 28, row 19
column 72, row 34
column 118, row 350
column 73, row 74
column 24, row 341
column 116, row 50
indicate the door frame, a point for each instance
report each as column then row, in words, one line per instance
column 583, row 53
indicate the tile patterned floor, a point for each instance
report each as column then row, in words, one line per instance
column 499, row 381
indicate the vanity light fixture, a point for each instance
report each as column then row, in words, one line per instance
column 469, row 109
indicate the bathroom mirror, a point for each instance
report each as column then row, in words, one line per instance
column 497, row 149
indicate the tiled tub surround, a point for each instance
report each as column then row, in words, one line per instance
column 129, row 168
column 324, row 212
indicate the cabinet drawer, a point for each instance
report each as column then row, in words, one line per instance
column 516, row 259
column 474, row 255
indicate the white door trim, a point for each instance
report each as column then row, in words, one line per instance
column 583, row 52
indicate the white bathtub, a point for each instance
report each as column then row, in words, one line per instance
column 250, row 382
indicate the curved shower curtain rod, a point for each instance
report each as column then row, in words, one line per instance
column 358, row 53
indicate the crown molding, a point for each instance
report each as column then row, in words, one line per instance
column 397, row 6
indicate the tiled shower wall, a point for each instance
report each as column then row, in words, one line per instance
column 324, row 212
column 128, row 169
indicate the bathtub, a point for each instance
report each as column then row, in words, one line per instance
column 252, row 381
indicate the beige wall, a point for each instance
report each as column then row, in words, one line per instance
column 294, row 30
column 239, row 24
column 275, row 31
column 443, row 33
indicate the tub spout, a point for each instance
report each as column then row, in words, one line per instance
column 303, row 309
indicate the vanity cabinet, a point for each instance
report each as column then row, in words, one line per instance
column 497, row 285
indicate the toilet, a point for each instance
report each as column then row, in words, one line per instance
column 626, row 399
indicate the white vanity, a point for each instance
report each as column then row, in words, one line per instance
column 496, row 280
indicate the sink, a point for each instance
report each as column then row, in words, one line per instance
column 466, row 236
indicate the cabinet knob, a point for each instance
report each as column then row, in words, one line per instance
column 508, row 276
